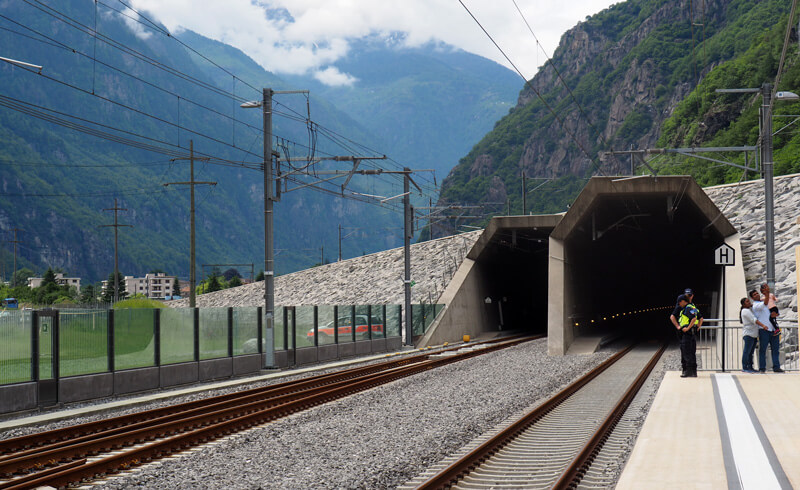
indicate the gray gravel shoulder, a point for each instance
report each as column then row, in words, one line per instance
column 376, row 439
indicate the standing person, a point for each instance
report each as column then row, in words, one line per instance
column 771, row 301
column 676, row 313
column 765, row 335
column 689, row 293
column 750, row 328
column 687, row 322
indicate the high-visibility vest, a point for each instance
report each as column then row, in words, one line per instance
column 684, row 320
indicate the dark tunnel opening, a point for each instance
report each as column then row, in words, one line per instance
column 514, row 271
column 631, row 256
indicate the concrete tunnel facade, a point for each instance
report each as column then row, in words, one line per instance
column 627, row 245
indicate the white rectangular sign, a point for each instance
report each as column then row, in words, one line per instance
column 725, row 255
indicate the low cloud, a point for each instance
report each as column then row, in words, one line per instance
column 333, row 77
column 308, row 36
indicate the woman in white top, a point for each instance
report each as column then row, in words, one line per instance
column 749, row 334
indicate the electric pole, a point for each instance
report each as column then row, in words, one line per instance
column 191, row 184
column 116, row 226
column 269, row 197
column 524, row 195
column 14, row 272
column 408, row 231
column 767, row 166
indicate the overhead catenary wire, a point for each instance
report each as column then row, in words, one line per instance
column 535, row 91
column 129, row 138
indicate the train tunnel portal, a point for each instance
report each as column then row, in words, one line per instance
column 625, row 249
column 613, row 264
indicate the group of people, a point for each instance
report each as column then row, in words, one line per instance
column 759, row 315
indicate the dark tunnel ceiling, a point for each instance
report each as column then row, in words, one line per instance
column 637, row 252
column 648, row 213
column 508, row 246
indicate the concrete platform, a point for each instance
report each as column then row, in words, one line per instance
column 719, row 431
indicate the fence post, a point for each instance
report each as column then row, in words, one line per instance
column 56, row 346
column 723, row 318
column 336, row 324
column 383, row 319
column 110, row 340
column 294, row 332
column 230, row 331
column 316, row 328
column 285, row 313
column 369, row 322
column 196, row 321
column 157, row 336
column 35, row 346
column 353, row 322
column 260, row 331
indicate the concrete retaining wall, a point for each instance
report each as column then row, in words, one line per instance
column 18, row 397
column 133, row 380
column 179, row 374
column 465, row 312
column 215, row 369
column 77, row 388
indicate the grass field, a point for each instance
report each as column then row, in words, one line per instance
column 83, row 336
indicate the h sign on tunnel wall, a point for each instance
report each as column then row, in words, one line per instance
column 725, row 255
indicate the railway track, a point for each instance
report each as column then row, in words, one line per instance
column 83, row 452
column 555, row 444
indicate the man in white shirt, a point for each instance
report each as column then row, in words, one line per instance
column 766, row 336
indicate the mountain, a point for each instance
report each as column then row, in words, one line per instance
column 640, row 73
column 133, row 84
column 428, row 105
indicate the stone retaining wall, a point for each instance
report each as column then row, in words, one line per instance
column 371, row 279
column 743, row 205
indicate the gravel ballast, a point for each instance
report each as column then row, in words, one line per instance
column 376, row 439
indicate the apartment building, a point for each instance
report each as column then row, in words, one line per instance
column 154, row 286
column 35, row 282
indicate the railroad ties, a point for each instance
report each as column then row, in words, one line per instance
column 83, row 452
column 555, row 444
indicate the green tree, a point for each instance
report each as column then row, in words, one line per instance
column 176, row 287
column 230, row 274
column 234, row 282
column 88, row 294
column 108, row 294
column 260, row 276
column 49, row 277
column 212, row 283
column 21, row 276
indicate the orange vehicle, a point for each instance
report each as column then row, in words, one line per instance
column 346, row 329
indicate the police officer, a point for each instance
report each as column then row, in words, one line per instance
column 689, row 294
column 687, row 325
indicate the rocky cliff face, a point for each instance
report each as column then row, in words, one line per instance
column 613, row 82
column 636, row 84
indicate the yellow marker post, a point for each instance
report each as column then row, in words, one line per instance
column 465, row 338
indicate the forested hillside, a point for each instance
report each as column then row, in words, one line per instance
column 640, row 74
column 109, row 114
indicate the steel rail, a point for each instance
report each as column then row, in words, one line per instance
column 575, row 471
column 199, row 428
column 455, row 471
column 117, row 424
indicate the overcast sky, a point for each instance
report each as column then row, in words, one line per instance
column 308, row 36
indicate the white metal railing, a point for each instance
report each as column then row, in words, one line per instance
column 712, row 350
